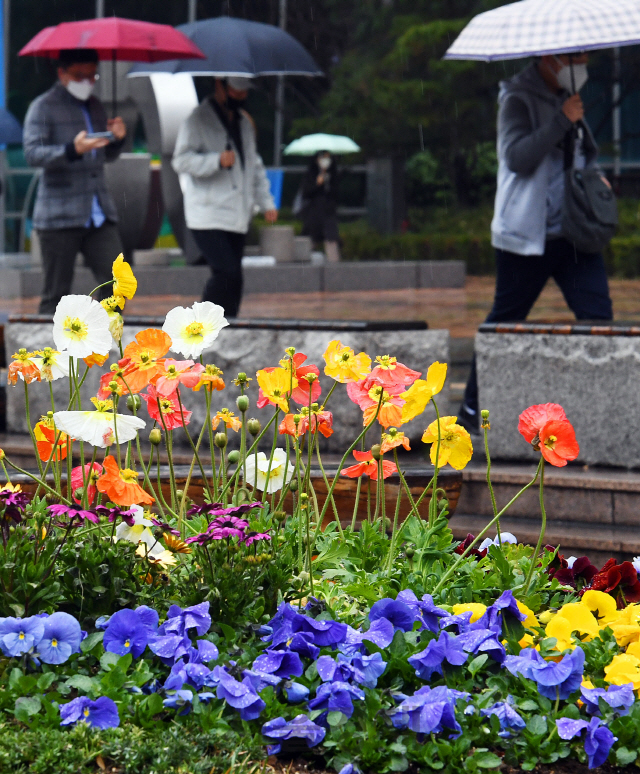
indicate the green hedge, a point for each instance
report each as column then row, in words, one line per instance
column 622, row 256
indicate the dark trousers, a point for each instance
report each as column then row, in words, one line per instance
column 520, row 279
column 222, row 250
column 99, row 246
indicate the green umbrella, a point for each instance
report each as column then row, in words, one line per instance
column 311, row 144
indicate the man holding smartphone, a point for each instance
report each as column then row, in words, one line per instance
column 66, row 132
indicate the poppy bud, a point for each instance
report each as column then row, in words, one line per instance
column 179, row 494
column 49, row 414
column 293, row 485
column 242, row 402
column 376, row 451
column 155, row 437
column 303, row 497
column 410, row 552
column 234, row 456
column 134, row 403
column 253, row 426
column 241, row 378
column 485, row 419
column 78, row 493
column 114, row 367
column 113, row 386
column 279, row 516
column 220, row 440
column 297, row 419
column 314, row 407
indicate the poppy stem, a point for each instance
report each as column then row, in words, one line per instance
column 273, row 448
column 394, row 529
column 37, row 480
column 212, row 448
column 489, row 484
column 433, row 504
column 195, row 449
column 31, row 433
column 445, row 577
column 326, row 483
column 543, row 529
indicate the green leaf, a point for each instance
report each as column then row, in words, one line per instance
column 153, row 704
column 91, row 641
column 487, row 760
column 18, row 610
column 528, row 705
column 46, row 680
column 624, row 756
column 478, row 662
column 81, row 682
column 336, row 719
column 399, row 763
column 537, row 725
column 26, row 706
column 108, row 660
column 228, row 632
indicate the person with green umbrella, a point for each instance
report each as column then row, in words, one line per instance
column 319, row 192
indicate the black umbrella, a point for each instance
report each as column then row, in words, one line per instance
column 10, row 129
column 237, row 47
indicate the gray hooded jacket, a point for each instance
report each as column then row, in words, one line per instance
column 531, row 130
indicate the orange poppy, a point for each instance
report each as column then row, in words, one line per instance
column 121, row 486
column 94, row 359
column 22, row 364
column 228, row 419
column 321, row 421
column 367, row 466
column 558, row 442
column 45, row 435
column 146, row 355
column 212, row 378
column 531, row 421
column 392, row 439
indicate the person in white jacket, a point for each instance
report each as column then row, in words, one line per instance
column 224, row 183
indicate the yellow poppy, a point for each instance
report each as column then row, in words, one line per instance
column 417, row 397
column 344, row 365
column 455, row 443
column 276, row 386
column 124, row 282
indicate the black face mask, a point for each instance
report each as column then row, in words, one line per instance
column 235, row 104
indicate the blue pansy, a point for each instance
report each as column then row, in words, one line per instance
column 380, row 633
column 203, row 653
column 429, row 710
column 241, row 696
column 462, row 621
column 20, row 635
column 508, row 717
column 554, row 679
column 301, row 727
column 126, row 633
column 101, row 713
column 260, row 680
column 400, row 614
column 180, row 699
column 295, row 692
column 598, row 740
column 180, row 621
column 483, row 641
column 368, row 669
column 618, row 697
column 148, row 616
column 492, row 618
column 446, row 648
column 169, row 647
column 282, row 663
column 425, row 610
column 330, row 669
column 350, row 768
column 302, row 644
column 336, row 697
column 61, row 637
column 287, row 622
column 101, row 622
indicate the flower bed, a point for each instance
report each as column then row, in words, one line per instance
column 239, row 610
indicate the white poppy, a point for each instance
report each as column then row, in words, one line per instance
column 52, row 364
column 280, row 471
column 98, row 427
column 194, row 329
column 81, row 327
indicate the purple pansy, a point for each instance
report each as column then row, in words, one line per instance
column 368, row 668
column 336, row 697
column 598, row 740
column 282, row 663
column 492, row 618
column 429, row 711
column 287, row 622
column 126, row 633
column 180, row 621
column 554, row 679
column 101, row 713
column 295, row 692
column 19, row 635
column 113, row 514
column 241, row 696
column 350, row 768
column 218, row 509
column 400, row 614
column 424, row 609
column 483, row 641
column 61, row 637
column 380, row 633
column 508, row 717
column 446, row 648
column 301, row 727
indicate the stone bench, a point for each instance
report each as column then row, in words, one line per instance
column 592, row 371
column 248, row 345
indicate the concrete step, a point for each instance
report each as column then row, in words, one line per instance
column 593, row 511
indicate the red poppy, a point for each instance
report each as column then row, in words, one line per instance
column 533, row 419
column 388, row 373
column 92, row 476
column 367, row 466
column 170, row 409
column 301, row 393
column 619, row 580
column 320, row 420
column 548, row 430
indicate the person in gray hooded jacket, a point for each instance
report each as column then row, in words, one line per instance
column 538, row 116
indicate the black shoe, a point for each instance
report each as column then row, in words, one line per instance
column 470, row 422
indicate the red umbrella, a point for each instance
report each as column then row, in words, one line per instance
column 114, row 39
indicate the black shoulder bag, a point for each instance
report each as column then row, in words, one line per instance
column 590, row 211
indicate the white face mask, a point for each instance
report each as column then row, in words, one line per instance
column 81, row 90
column 324, row 163
column 563, row 76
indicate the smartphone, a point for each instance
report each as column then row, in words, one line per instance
column 99, row 135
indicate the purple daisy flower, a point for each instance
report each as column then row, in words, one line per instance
column 73, row 512
column 227, row 526
column 166, row 527
column 254, row 537
column 113, row 514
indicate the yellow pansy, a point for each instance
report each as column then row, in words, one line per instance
column 477, row 610
column 626, row 627
column 417, row 397
column 624, row 668
column 603, row 605
column 530, row 622
column 124, row 282
column 572, row 618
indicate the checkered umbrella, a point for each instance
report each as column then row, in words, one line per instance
column 538, row 27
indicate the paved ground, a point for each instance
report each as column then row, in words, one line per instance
column 459, row 310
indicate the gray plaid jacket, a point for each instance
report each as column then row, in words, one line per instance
column 69, row 181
